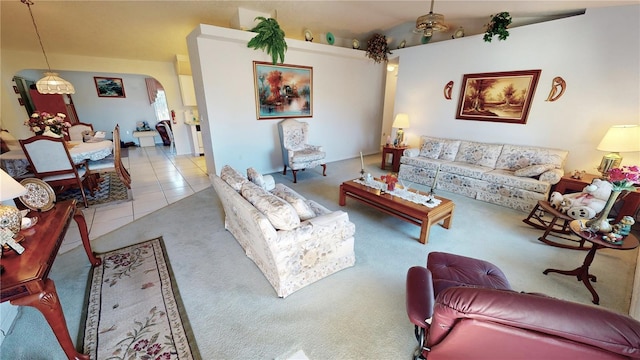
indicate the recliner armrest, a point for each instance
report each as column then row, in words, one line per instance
column 419, row 296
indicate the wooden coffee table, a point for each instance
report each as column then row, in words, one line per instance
column 416, row 214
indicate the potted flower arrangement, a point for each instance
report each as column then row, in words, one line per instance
column 390, row 180
column 622, row 179
column 377, row 48
column 44, row 122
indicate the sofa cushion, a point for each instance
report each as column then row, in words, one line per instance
column 514, row 157
column 533, row 170
column 279, row 212
column 464, row 169
column 449, row 149
column 296, row 200
column 478, row 153
column 423, row 162
column 232, row 177
column 431, row 148
column 264, row 181
column 506, row 177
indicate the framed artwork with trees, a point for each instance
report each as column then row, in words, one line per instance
column 498, row 96
column 283, row 91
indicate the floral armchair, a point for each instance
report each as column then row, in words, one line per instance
column 296, row 153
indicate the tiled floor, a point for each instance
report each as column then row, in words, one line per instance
column 158, row 178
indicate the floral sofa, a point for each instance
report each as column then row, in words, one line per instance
column 292, row 240
column 509, row 175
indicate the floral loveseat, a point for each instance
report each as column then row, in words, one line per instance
column 508, row 175
column 292, row 240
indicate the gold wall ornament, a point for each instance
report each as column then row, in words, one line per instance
column 558, row 86
column 447, row 90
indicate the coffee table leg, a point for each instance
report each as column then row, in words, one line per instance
column 342, row 201
column 48, row 303
column 424, row 230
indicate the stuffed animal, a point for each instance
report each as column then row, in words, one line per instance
column 585, row 204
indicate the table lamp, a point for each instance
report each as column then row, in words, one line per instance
column 401, row 121
column 619, row 138
column 10, row 217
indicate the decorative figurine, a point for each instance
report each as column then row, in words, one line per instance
column 624, row 226
column 578, row 174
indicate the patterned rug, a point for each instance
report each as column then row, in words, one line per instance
column 134, row 310
column 112, row 190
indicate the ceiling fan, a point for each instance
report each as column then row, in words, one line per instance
column 431, row 22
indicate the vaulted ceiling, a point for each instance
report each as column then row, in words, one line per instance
column 156, row 30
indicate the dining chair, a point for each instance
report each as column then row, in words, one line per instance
column 50, row 161
column 167, row 130
column 76, row 130
column 114, row 162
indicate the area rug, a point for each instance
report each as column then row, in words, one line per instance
column 112, row 190
column 134, row 310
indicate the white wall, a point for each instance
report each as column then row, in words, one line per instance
column 602, row 78
column 602, row 75
column 104, row 112
column 347, row 100
column 82, row 69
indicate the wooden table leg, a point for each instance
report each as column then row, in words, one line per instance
column 342, row 200
column 582, row 273
column 424, row 230
column 48, row 303
column 78, row 216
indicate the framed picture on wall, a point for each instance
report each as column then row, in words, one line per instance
column 282, row 91
column 109, row 87
column 498, row 96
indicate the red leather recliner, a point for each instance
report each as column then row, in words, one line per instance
column 474, row 322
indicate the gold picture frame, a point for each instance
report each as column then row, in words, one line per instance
column 283, row 91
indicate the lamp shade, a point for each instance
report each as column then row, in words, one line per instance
column 9, row 188
column 401, row 121
column 621, row 138
column 51, row 83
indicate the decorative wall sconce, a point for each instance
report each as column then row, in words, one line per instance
column 447, row 90
column 557, row 88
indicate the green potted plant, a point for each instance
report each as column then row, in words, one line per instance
column 498, row 26
column 377, row 48
column 270, row 39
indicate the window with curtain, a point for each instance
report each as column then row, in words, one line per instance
column 161, row 107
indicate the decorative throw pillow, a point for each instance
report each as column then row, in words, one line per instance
column 232, row 177
column 279, row 212
column 264, row 181
column 431, row 149
column 449, row 149
column 533, row 170
column 296, row 200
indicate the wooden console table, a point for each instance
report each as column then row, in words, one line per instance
column 630, row 201
column 25, row 280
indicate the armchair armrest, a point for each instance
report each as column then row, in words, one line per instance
column 332, row 227
column 314, row 147
column 411, row 152
column 419, row 296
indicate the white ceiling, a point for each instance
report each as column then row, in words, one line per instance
column 156, row 30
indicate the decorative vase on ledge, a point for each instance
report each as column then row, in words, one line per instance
column 600, row 223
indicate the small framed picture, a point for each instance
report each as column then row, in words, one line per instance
column 109, row 87
column 15, row 89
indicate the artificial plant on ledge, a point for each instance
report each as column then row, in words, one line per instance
column 377, row 48
column 498, row 26
column 270, row 39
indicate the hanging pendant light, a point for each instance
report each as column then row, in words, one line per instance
column 431, row 22
column 51, row 83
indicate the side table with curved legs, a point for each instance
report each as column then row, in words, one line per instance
column 582, row 272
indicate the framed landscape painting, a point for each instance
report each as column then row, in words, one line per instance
column 282, row 91
column 499, row 96
column 109, row 87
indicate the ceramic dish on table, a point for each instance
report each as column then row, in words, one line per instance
column 39, row 197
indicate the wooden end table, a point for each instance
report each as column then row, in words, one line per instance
column 396, row 153
column 25, row 279
column 408, row 211
column 582, row 272
column 630, row 201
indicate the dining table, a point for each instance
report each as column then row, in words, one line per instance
column 15, row 162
